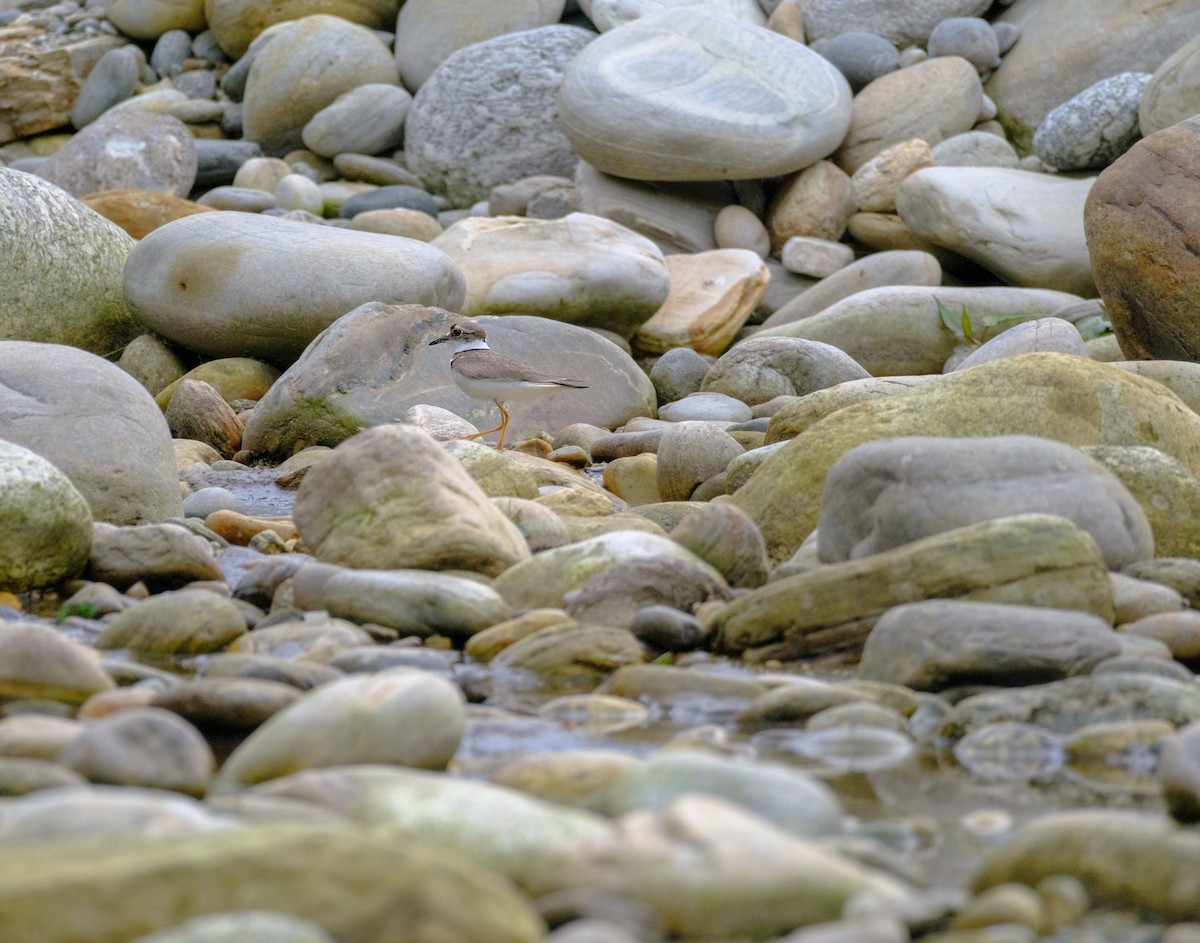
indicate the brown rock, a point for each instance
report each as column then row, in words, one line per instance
column 197, row 411
column 39, row 84
column 240, row 529
column 817, row 202
column 141, row 211
column 1142, row 233
column 711, row 297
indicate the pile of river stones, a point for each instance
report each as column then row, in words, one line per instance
column 854, row 600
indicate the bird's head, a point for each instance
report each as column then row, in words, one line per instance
column 463, row 335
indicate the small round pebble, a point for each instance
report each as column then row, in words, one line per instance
column 970, row 37
column 861, row 57
column 678, row 373
column 205, row 501
column 736, row 227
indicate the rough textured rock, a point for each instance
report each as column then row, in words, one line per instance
column 671, row 96
column 932, row 100
column 239, row 284
column 486, row 115
column 281, row 97
column 127, row 472
column 335, row 388
column 1107, row 36
column 126, row 150
column 889, row 492
column 581, row 269
column 61, row 281
column 40, row 80
column 1091, row 130
column 1168, row 492
column 1028, row 560
column 1139, row 220
column 391, row 497
column 46, row 522
column 1025, row 227
column 1055, row 396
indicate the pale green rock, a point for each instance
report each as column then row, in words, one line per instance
column 543, row 580
column 61, row 279
column 184, row 622
column 401, row 716
column 1055, row 396
column 360, row 886
column 897, row 330
column 414, row 602
column 1068, row 705
column 1029, row 559
column 1168, row 492
column 391, row 498
column 1126, row 860
column 46, row 522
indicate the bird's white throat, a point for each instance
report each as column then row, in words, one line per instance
column 470, row 343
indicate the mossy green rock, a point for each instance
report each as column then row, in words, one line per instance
column 46, row 522
column 1126, row 860
column 363, row 887
column 61, row 278
column 1055, row 396
column 1167, row 491
column 1029, row 559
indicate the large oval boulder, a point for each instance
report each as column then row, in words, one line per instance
column 243, row 285
column 61, row 278
column 1051, row 395
column 687, row 94
column 96, row 423
column 581, row 269
column 1142, row 221
column 282, row 94
column 486, row 115
column 890, row 492
column 375, row 364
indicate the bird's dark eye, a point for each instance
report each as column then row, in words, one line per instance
column 456, row 333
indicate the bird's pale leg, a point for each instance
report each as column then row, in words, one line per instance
column 500, row 428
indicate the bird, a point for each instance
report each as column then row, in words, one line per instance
column 483, row 374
